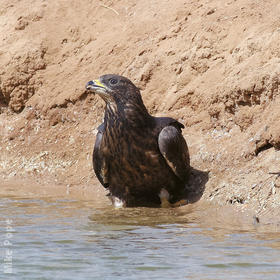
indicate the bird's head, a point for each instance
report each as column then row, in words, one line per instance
column 114, row 89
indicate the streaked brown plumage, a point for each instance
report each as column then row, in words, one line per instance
column 136, row 155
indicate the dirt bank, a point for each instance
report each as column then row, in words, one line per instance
column 214, row 65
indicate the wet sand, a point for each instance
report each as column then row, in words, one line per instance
column 205, row 212
column 31, row 189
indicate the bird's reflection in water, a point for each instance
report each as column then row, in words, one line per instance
column 142, row 216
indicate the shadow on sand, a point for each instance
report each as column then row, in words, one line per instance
column 196, row 185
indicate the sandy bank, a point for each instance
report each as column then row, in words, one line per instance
column 214, row 66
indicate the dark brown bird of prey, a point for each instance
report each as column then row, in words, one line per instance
column 142, row 160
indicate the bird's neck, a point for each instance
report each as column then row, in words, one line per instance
column 127, row 115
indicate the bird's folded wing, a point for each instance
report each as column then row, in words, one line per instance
column 99, row 161
column 174, row 149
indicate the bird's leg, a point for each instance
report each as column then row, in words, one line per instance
column 117, row 203
column 164, row 198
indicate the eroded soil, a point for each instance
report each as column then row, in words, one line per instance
column 213, row 65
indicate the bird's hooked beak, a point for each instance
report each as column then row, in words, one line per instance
column 96, row 86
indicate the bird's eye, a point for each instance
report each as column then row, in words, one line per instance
column 113, row 81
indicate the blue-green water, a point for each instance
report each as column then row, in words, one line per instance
column 63, row 239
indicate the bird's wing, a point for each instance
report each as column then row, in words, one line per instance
column 174, row 149
column 100, row 165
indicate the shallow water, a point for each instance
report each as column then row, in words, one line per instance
column 67, row 239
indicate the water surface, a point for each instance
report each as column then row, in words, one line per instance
column 68, row 239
